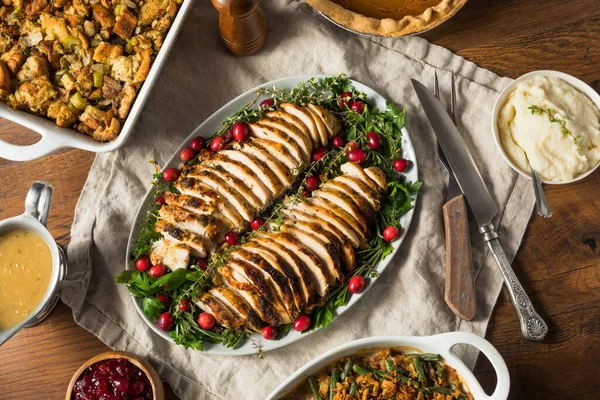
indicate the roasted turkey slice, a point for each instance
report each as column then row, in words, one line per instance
column 223, row 315
column 283, row 174
column 291, row 119
column 239, row 307
column 321, row 129
column 171, row 254
column 194, row 242
column 306, row 118
column 332, row 124
column 277, row 150
column 343, row 201
column 304, row 143
column 275, row 135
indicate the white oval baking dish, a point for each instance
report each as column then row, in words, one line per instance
column 441, row 344
column 55, row 138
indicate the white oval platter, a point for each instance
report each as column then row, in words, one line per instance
column 206, row 129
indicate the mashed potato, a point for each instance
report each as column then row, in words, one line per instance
column 532, row 139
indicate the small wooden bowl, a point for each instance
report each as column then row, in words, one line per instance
column 158, row 391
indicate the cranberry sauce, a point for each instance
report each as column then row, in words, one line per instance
column 113, row 379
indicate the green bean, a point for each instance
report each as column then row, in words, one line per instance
column 440, row 372
column 360, row 370
column 313, row 387
column 335, row 376
column 389, row 363
column 378, row 373
column 419, row 368
column 353, row 388
column 347, row 370
column 426, row 356
column 408, row 381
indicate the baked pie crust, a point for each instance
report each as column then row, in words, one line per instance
column 388, row 17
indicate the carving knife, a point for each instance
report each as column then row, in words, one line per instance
column 484, row 209
column 460, row 294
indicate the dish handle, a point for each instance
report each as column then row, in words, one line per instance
column 46, row 145
column 448, row 340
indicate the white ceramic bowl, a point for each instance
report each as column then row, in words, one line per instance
column 571, row 80
column 55, row 138
column 441, row 344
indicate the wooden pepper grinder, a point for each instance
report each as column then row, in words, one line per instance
column 242, row 25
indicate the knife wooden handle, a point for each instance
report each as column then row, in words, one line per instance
column 460, row 292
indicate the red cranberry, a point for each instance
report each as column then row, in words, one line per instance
column 198, row 143
column 164, row 299
column 337, row 141
column 269, row 332
column 201, row 263
column 157, row 271
column 356, row 284
column 206, row 321
column 256, row 223
column 358, row 107
column 268, row 103
column 305, row 193
column 240, row 131
column 302, row 323
column 319, row 153
column 232, row 238
column 171, row 174
column 401, row 165
column 165, row 321
column 346, row 99
column 187, row 154
column 217, row 143
column 375, row 141
column 160, row 200
column 121, row 386
column 390, row 233
column 101, row 387
column 137, row 387
column 143, row 263
column 312, row 183
column 352, row 146
column 184, row 305
column 357, row 156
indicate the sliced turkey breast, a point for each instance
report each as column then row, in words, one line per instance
column 306, row 118
column 328, row 239
column 200, row 225
column 265, row 310
column 304, row 143
column 323, row 214
column 344, row 201
column 285, row 176
column 300, row 270
column 235, row 303
column 361, row 203
column 178, row 235
column 191, row 186
column 226, row 184
column 171, row 254
column 258, row 167
column 275, row 135
column 346, row 250
column 321, row 129
column 370, row 194
column 377, row 181
column 271, row 289
column 307, row 256
column 278, row 151
column 341, row 214
column 280, row 264
column 247, row 175
column 326, row 253
column 378, row 176
column 289, row 118
column 272, row 276
column 332, row 124
column 223, row 315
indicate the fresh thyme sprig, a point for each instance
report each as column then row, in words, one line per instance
column 555, row 118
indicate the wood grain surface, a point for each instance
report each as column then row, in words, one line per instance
column 558, row 264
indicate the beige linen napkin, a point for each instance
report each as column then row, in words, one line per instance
column 199, row 77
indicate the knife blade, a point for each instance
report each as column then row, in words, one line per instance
column 480, row 200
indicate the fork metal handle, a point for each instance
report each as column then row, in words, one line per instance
column 533, row 326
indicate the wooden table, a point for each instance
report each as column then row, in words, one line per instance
column 559, row 262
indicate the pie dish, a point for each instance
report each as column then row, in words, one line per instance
column 390, row 18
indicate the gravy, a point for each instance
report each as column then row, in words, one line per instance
column 25, row 273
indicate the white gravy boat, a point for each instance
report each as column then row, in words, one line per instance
column 37, row 205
